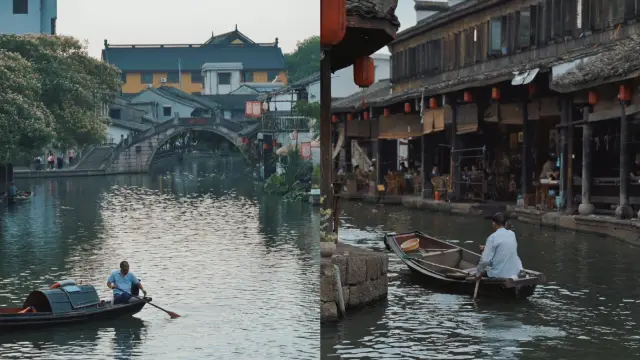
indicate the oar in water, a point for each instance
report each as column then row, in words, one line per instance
column 475, row 292
column 171, row 313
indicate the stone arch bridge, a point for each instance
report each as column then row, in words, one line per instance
column 135, row 154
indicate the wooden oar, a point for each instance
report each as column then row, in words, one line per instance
column 475, row 292
column 444, row 267
column 171, row 313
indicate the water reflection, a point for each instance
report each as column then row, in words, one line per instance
column 587, row 311
column 203, row 249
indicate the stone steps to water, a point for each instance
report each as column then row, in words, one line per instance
column 95, row 159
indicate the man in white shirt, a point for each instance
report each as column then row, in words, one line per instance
column 500, row 252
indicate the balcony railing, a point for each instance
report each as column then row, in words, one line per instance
column 275, row 123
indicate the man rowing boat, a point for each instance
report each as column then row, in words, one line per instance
column 124, row 284
column 500, row 254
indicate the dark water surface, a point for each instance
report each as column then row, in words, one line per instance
column 239, row 267
column 590, row 308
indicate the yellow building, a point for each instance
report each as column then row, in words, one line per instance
column 235, row 59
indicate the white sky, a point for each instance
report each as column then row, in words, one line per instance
column 187, row 21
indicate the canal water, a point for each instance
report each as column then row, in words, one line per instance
column 240, row 267
column 590, row 308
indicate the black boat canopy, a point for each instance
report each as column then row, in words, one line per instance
column 61, row 300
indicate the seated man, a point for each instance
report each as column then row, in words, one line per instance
column 124, row 284
column 500, row 253
column 12, row 192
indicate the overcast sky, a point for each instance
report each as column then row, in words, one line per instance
column 187, row 21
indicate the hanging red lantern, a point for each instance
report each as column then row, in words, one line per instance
column 334, row 119
column 625, row 93
column 495, row 93
column 407, row 107
column 266, row 146
column 245, row 141
column 433, row 103
column 532, row 89
column 349, row 117
column 364, row 71
column 467, row 96
column 275, row 143
column 333, row 21
column 593, row 98
column 366, row 115
column 387, row 112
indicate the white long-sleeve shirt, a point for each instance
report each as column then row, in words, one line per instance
column 501, row 253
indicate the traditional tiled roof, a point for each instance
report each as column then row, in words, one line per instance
column 230, row 101
column 195, row 101
column 267, row 57
column 370, row 96
column 619, row 59
column 378, row 9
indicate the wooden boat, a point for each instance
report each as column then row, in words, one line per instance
column 24, row 196
column 64, row 305
column 443, row 264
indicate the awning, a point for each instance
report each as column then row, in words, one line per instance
column 511, row 114
column 467, row 119
column 524, row 77
column 492, row 114
column 400, row 126
column 466, row 129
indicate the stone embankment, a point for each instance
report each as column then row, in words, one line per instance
column 363, row 280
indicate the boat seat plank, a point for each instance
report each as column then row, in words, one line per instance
column 424, row 254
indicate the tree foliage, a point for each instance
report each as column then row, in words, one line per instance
column 24, row 121
column 305, row 60
column 71, row 86
column 310, row 110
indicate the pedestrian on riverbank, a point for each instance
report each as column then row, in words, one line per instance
column 51, row 161
column 71, row 156
column 60, row 161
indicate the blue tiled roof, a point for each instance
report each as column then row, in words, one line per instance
column 252, row 57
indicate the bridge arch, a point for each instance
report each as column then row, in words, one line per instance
column 221, row 131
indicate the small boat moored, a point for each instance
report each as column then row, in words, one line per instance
column 444, row 264
column 64, row 304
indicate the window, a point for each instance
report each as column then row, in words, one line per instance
column 534, row 25
column 495, row 43
column 146, row 78
column 114, row 113
column 123, row 77
column 53, row 26
column 557, row 18
column 224, row 78
column 524, row 28
column 173, row 77
column 20, row 6
column 247, row 76
column 272, row 75
column 196, row 77
column 166, row 110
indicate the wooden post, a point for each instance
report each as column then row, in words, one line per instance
column 564, row 160
column 569, row 208
column 348, row 166
column 525, row 150
column 623, row 211
column 376, row 155
column 586, row 207
column 326, row 135
column 454, row 172
column 422, row 170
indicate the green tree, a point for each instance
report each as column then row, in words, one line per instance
column 305, row 60
column 74, row 86
column 25, row 123
column 310, row 110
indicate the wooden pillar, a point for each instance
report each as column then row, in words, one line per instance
column 422, row 164
column 624, row 211
column 586, row 207
column 326, row 135
column 526, row 153
column 376, row 154
column 454, row 172
column 569, row 206
column 348, row 167
column 565, row 120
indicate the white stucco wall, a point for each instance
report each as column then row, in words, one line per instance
column 150, row 96
column 37, row 20
column 314, row 91
column 115, row 133
column 342, row 84
column 211, row 71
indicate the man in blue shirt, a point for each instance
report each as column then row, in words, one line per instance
column 500, row 253
column 124, row 284
column 12, row 192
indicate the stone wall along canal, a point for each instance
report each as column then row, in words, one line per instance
column 589, row 310
column 239, row 267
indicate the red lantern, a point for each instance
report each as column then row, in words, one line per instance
column 333, row 21
column 495, row 93
column 593, row 98
column 467, row 96
column 245, row 141
column 387, row 112
column 275, row 143
column 349, row 117
column 366, row 115
column 433, row 103
column 334, row 119
column 266, row 146
column 364, row 71
column 625, row 93
column 532, row 89
column 407, row 107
